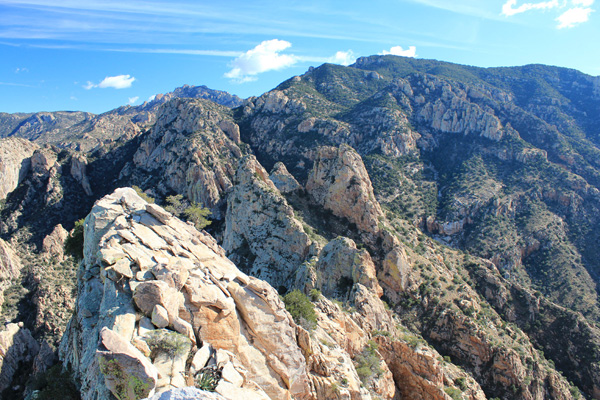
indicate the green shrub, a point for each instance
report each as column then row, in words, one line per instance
column 315, row 294
column 192, row 212
column 197, row 215
column 377, row 332
column 454, row 393
column 143, row 195
column 368, row 362
column 165, row 341
column 74, row 242
column 301, row 309
column 461, row 383
column 208, row 378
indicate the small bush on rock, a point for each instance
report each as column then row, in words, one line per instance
column 74, row 242
column 301, row 309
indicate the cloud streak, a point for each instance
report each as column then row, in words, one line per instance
column 508, row 9
column 115, row 82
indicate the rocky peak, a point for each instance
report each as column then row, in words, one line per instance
column 193, row 149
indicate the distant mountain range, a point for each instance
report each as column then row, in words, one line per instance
column 433, row 230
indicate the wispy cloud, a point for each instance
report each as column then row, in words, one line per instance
column 15, row 84
column 21, row 70
column 573, row 17
column 399, row 51
column 115, row 82
column 459, row 7
column 509, row 9
column 132, row 100
column 262, row 58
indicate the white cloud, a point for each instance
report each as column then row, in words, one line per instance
column 19, row 70
column 342, row 58
column 132, row 100
column 116, row 82
column 74, row 98
column 264, row 57
column 573, row 16
column 399, row 51
column 509, row 10
column 151, row 98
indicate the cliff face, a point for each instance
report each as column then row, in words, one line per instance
column 14, row 163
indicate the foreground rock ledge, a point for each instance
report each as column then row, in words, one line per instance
column 143, row 267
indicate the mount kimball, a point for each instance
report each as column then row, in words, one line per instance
column 395, row 229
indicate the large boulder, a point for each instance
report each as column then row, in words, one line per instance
column 128, row 374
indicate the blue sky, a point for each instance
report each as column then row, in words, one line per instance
column 95, row 55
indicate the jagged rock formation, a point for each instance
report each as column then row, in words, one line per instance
column 153, row 289
column 192, row 149
column 262, row 234
column 340, row 183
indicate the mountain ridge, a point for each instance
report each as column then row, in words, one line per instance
column 467, row 207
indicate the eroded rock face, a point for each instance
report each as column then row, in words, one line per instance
column 17, row 347
column 15, row 163
column 283, row 180
column 340, row 183
column 78, row 171
column 204, row 298
column 261, row 232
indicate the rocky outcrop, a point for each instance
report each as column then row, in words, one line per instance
column 10, row 267
column 283, row 180
column 53, row 245
column 341, row 265
column 340, row 183
column 262, row 234
column 191, row 149
column 140, row 260
column 15, row 163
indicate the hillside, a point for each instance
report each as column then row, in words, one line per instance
column 431, row 228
